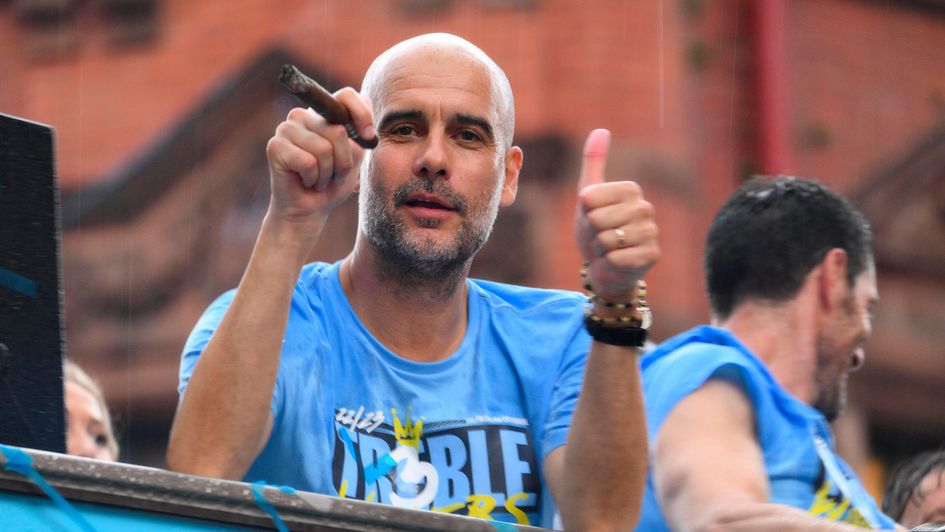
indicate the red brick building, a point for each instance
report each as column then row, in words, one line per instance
column 162, row 109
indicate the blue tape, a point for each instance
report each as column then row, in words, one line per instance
column 17, row 460
column 266, row 506
column 17, row 283
column 502, row 526
column 22, row 463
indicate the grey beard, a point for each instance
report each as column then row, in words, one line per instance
column 414, row 263
column 411, row 263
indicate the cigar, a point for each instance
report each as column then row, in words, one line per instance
column 310, row 93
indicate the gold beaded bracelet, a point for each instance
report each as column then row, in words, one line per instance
column 594, row 298
column 639, row 317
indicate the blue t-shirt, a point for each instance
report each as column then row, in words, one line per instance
column 796, row 441
column 469, row 432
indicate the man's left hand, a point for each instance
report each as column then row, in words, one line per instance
column 615, row 227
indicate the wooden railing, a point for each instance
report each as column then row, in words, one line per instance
column 104, row 496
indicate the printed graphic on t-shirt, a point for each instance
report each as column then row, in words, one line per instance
column 482, row 466
column 835, row 492
column 830, row 503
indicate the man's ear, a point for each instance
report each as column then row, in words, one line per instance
column 833, row 286
column 513, row 166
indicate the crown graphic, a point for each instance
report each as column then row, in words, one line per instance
column 409, row 433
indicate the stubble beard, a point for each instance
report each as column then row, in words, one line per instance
column 831, row 397
column 416, row 261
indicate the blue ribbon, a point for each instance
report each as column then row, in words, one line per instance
column 266, row 506
column 17, row 283
column 22, row 463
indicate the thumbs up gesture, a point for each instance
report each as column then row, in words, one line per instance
column 615, row 229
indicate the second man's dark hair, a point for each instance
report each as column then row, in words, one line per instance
column 771, row 233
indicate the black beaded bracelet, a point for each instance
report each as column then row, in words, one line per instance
column 622, row 336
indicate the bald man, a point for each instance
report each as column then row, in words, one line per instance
column 390, row 376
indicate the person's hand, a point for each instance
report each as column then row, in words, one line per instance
column 313, row 166
column 614, row 226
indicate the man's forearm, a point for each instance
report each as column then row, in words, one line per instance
column 769, row 516
column 224, row 417
column 606, row 454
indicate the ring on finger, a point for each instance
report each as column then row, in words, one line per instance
column 621, row 237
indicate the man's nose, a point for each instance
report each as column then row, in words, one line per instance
column 433, row 159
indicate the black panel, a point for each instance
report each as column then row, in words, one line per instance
column 31, row 403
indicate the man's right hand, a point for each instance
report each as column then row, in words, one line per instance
column 313, row 166
column 225, row 418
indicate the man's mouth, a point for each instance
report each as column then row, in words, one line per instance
column 428, row 201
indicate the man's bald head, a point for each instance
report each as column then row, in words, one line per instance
column 373, row 84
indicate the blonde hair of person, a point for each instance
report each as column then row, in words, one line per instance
column 72, row 373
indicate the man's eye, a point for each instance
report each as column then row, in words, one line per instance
column 101, row 440
column 469, row 136
column 403, row 131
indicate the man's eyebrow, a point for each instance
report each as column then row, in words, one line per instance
column 398, row 115
column 470, row 120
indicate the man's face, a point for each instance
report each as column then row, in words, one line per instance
column 927, row 505
column 433, row 186
column 840, row 349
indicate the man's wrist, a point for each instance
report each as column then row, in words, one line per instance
column 621, row 321
column 625, row 336
column 292, row 239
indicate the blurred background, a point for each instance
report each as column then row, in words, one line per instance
column 162, row 109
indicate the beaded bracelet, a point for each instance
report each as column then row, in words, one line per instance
column 628, row 320
column 640, row 315
column 594, row 298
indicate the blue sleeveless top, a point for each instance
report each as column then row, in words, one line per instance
column 796, row 441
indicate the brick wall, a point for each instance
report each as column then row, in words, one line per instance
column 867, row 80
